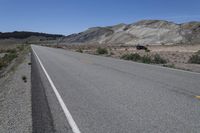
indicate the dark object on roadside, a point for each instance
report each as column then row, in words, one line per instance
column 24, row 78
column 29, row 63
column 140, row 47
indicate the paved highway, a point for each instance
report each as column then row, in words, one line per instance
column 106, row 95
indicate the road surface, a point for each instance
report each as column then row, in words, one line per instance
column 106, row 95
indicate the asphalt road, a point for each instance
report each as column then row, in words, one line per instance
column 106, row 95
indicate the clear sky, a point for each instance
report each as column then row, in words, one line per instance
column 72, row 16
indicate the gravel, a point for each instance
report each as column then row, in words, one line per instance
column 15, row 100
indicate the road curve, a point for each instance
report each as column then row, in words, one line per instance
column 106, row 95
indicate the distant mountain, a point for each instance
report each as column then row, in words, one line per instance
column 25, row 34
column 145, row 32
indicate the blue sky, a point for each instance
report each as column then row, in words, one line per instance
column 72, row 16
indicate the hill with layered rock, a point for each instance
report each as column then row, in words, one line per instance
column 145, row 32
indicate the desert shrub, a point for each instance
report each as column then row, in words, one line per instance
column 79, row 50
column 156, row 59
column 146, row 59
column 111, row 53
column 101, row 50
column 9, row 57
column 147, row 50
column 20, row 47
column 169, row 65
column 1, row 63
column 195, row 59
column 198, row 52
column 11, row 51
column 159, row 60
column 132, row 56
column 2, row 50
column 126, row 28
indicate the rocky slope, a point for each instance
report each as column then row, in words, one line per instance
column 146, row 32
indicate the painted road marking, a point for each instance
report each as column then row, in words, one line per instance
column 71, row 121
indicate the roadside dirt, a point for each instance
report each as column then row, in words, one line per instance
column 15, row 99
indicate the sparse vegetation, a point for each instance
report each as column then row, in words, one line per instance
column 1, row 64
column 147, row 50
column 10, row 54
column 195, row 59
column 169, row 65
column 20, row 47
column 101, row 50
column 8, row 57
column 146, row 59
column 198, row 52
column 11, row 51
column 111, row 53
column 79, row 50
column 156, row 59
column 159, row 60
column 132, row 56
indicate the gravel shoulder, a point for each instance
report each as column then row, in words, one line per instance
column 15, row 100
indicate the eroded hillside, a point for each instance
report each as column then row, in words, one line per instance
column 146, row 32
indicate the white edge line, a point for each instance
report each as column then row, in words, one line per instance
column 71, row 121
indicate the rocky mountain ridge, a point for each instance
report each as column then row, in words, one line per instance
column 145, row 32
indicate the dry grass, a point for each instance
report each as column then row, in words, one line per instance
column 9, row 54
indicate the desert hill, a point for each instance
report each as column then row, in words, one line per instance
column 145, row 32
